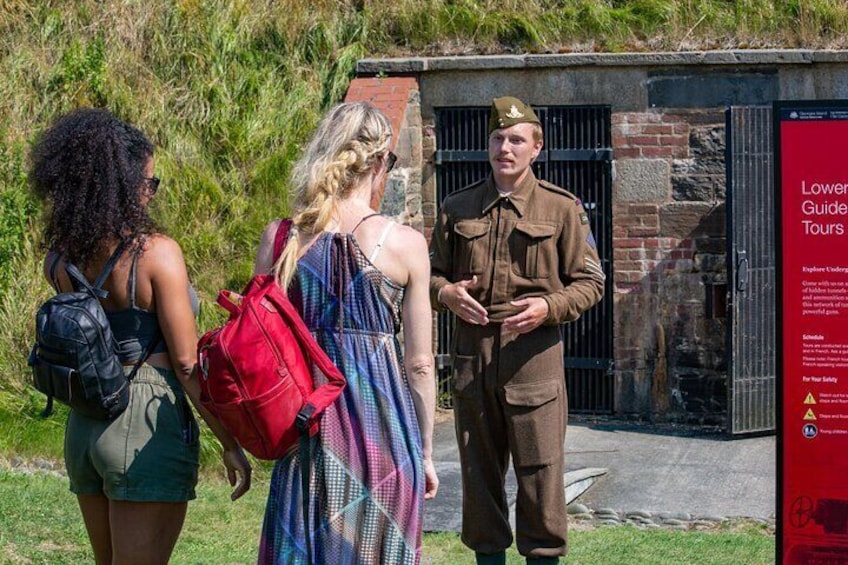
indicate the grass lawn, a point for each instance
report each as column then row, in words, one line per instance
column 40, row 523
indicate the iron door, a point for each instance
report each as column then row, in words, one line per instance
column 751, row 339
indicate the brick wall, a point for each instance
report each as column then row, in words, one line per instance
column 390, row 95
column 668, row 253
column 398, row 98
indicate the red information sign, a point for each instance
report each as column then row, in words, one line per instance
column 811, row 153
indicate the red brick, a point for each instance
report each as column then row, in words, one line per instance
column 657, row 151
column 681, row 152
column 628, row 153
column 646, row 118
column 628, row 220
column 631, row 266
column 629, row 276
column 658, row 129
column 644, row 140
column 644, row 209
column 620, row 141
column 643, row 231
column 674, row 140
column 630, row 242
column 622, row 255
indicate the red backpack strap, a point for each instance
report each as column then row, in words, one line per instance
column 282, row 237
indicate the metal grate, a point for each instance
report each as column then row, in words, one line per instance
column 576, row 155
column 752, row 381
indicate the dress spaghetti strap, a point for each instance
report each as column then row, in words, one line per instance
column 359, row 223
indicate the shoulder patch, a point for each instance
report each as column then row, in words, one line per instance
column 554, row 188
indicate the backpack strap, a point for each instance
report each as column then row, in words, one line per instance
column 79, row 280
column 282, row 237
column 153, row 343
column 53, row 280
column 304, row 453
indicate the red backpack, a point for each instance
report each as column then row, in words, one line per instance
column 256, row 369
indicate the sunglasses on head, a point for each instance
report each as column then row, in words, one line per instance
column 391, row 159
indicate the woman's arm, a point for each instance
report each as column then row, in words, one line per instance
column 265, row 255
column 169, row 280
column 411, row 249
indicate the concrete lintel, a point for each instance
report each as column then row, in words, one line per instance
column 566, row 60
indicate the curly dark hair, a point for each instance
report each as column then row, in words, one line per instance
column 88, row 167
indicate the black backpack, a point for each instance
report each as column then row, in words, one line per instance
column 74, row 358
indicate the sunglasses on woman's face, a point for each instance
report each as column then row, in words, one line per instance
column 391, row 159
column 152, row 184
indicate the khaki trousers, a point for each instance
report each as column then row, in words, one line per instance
column 510, row 401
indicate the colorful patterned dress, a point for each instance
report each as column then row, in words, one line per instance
column 367, row 483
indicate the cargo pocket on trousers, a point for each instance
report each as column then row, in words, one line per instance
column 463, row 375
column 533, row 415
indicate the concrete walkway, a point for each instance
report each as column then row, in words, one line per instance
column 633, row 467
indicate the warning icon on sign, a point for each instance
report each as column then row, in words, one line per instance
column 809, row 415
column 810, row 431
column 810, row 398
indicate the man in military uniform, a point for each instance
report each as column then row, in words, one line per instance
column 513, row 257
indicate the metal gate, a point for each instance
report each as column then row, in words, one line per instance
column 751, row 339
column 577, row 155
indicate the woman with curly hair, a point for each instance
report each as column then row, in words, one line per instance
column 357, row 278
column 133, row 476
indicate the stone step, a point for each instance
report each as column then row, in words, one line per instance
column 577, row 482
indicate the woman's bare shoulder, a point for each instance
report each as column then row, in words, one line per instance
column 408, row 244
column 159, row 245
column 403, row 235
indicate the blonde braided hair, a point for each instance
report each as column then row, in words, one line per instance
column 350, row 140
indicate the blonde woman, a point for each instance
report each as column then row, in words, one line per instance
column 357, row 278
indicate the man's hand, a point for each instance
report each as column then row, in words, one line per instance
column 455, row 296
column 535, row 312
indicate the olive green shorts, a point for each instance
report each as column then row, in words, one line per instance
column 148, row 454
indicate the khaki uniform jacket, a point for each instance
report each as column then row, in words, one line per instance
column 534, row 242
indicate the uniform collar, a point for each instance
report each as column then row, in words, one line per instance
column 519, row 197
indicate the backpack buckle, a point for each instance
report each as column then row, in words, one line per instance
column 304, row 417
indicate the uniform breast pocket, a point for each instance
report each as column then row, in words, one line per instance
column 472, row 243
column 533, row 250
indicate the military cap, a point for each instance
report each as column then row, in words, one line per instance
column 508, row 111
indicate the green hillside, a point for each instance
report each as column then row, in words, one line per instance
column 228, row 91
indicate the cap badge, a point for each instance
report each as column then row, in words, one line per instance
column 514, row 113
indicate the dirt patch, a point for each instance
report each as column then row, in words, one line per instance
column 444, row 415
